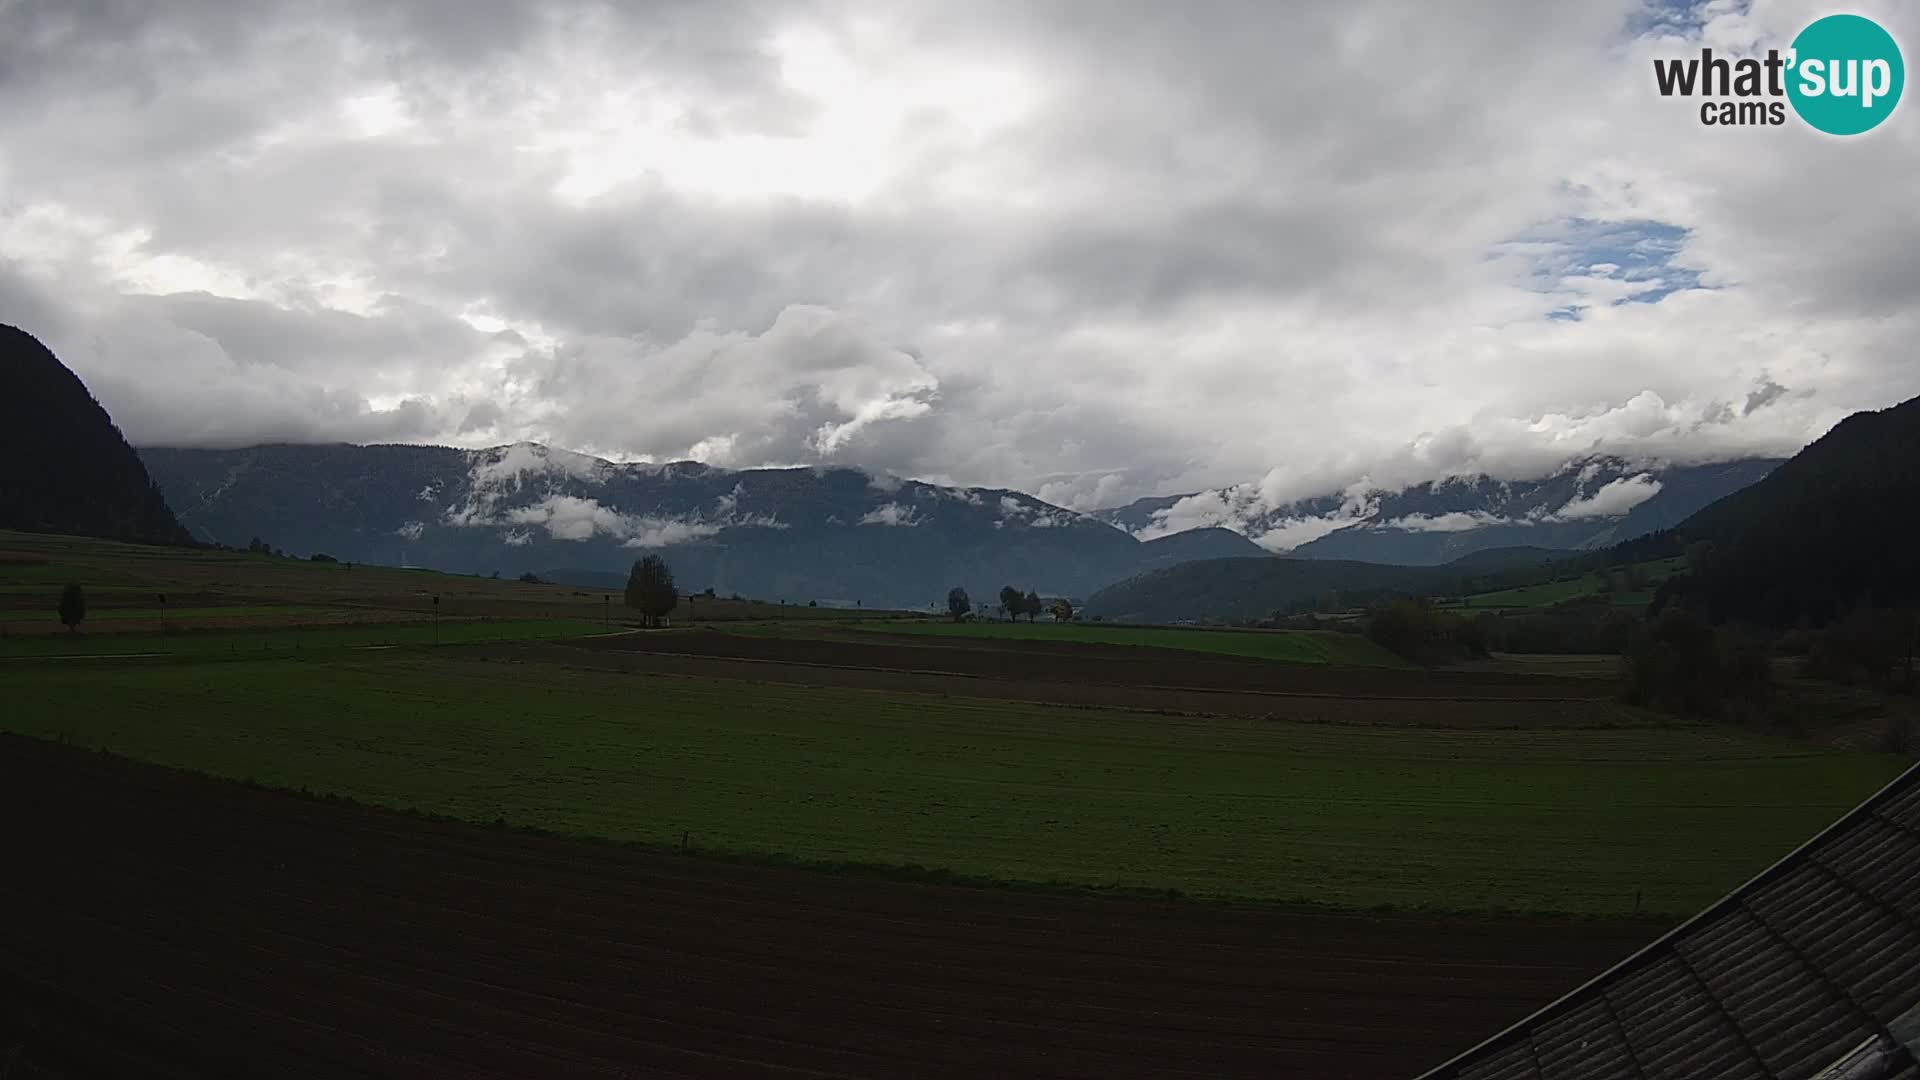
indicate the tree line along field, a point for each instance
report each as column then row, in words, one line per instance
column 1591, row 821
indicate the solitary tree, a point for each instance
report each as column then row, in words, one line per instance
column 957, row 603
column 650, row 589
column 1062, row 610
column 73, row 606
column 1011, row 601
column 1031, row 605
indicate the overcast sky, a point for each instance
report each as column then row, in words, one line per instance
column 1091, row 250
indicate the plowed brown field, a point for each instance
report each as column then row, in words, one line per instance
column 1108, row 676
column 154, row 923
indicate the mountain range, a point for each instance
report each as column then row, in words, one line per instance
column 1589, row 503
column 837, row 535
column 832, row 535
column 1824, row 534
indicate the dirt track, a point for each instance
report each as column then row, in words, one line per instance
column 154, row 923
column 1105, row 676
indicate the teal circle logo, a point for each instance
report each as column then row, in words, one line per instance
column 1845, row 74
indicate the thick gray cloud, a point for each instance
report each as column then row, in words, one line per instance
column 1093, row 253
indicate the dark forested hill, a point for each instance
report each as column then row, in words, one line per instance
column 1832, row 527
column 68, row 468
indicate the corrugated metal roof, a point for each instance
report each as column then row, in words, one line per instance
column 1811, row 971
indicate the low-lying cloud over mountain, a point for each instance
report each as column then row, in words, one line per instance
column 1583, row 504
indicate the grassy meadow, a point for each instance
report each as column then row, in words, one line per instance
column 1588, row 821
column 1548, row 593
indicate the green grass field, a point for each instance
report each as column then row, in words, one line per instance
column 1291, row 646
column 1567, row 820
column 1549, row 593
column 292, row 639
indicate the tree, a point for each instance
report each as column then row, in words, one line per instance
column 1011, row 601
column 531, row 578
column 1031, row 605
column 650, row 589
column 1414, row 631
column 1062, row 610
column 1679, row 663
column 73, row 606
column 1699, row 557
column 957, row 603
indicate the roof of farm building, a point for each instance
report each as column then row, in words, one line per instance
column 1811, row 971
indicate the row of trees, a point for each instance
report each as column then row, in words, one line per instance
column 1014, row 602
column 1413, row 630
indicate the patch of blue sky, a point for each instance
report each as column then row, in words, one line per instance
column 1637, row 260
column 1679, row 18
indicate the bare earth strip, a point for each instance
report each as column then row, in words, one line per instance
column 157, row 923
column 1151, row 680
